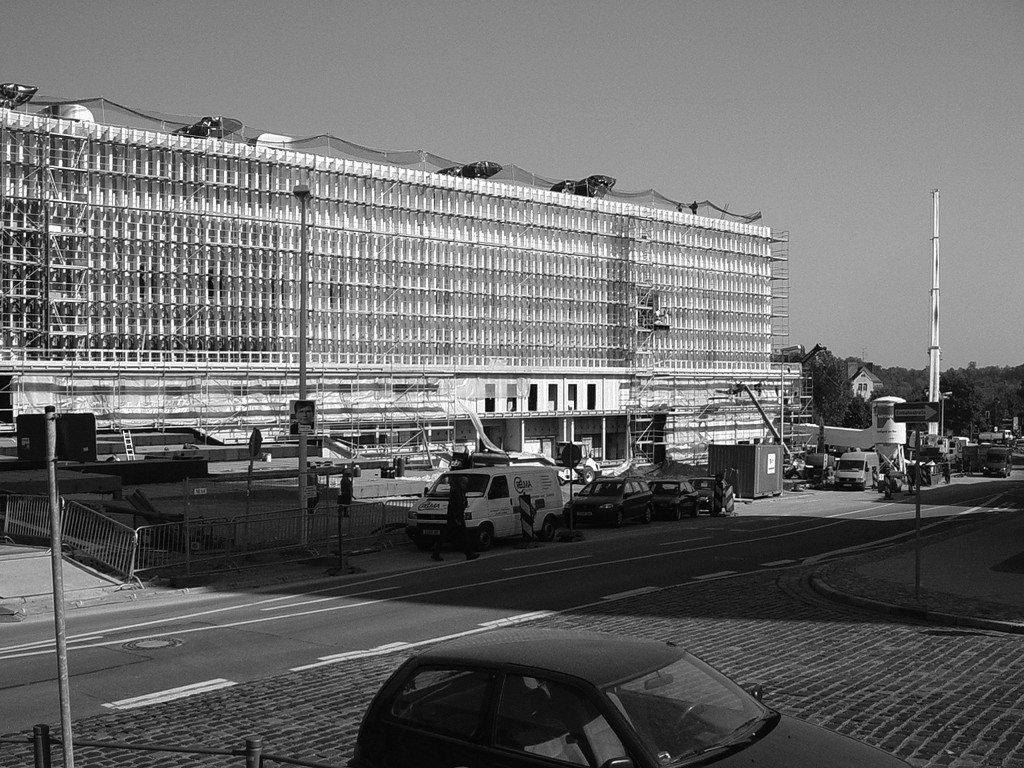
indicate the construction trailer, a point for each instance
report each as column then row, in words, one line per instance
column 152, row 270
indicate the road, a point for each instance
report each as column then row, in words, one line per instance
column 131, row 659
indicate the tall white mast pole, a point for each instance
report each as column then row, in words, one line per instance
column 934, row 349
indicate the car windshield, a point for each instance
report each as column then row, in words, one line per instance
column 850, row 465
column 476, row 484
column 601, row 489
column 666, row 488
column 702, row 482
column 686, row 708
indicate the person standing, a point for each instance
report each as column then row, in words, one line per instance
column 345, row 491
column 718, row 495
column 455, row 524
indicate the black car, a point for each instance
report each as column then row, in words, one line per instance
column 674, row 498
column 611, row 501
column 705, row 486
column 537, row 698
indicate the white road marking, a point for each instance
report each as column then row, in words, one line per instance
column 171, row 694
column 778, row 563
column 685, row 541
column 380, row 650
column 547, row 562
column 512, row 620
column 632, row 593
column 327, row 599
column 718, row 575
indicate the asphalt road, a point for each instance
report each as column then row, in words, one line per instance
column 730, row 588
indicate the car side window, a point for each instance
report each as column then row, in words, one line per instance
column 499, row 488
column 548, row 719
column 448, row 701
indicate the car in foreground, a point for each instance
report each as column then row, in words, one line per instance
column 674, row 498
column 612, row 501
column 529, row 697
column 705, row 486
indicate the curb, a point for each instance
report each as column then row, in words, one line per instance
column 823, row 588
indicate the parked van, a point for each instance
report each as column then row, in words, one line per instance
column 493, row 495
column 998, row 461
column 855, row 468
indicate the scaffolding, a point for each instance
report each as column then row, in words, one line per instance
column 153, row 278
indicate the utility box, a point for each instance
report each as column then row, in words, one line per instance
column 753, row 470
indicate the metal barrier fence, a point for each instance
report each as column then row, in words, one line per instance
column 196, row 543
column 86, row 535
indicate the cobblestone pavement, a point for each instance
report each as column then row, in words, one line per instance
column 933, row 695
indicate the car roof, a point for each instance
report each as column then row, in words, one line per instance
column 597, row 657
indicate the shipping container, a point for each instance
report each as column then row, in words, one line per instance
column 753, row 469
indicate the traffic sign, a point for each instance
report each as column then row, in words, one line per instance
column 255, row 442
column 915, row 412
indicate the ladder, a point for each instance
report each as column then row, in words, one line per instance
column 129, row 444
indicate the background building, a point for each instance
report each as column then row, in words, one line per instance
column 151, row 272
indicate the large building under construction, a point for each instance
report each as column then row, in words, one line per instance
column 154, row 274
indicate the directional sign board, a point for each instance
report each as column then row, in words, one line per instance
column 915, row 412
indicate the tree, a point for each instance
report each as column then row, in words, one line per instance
column 832, row 393
column 961, row 412
column 858, row 414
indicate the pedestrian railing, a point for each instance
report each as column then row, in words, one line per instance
column 251, row 755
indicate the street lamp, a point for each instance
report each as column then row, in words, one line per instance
column 942, row 412
column 301, row 191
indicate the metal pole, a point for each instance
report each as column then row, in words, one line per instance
column 41, row 757
column 934, row 351
column 917, row 518
column 302, row 193
column 58, row 588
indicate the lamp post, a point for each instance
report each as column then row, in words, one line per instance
column 301, row 191
column 942, row 412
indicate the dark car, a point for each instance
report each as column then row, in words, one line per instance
column 674, row 498
column 537, row 698
column 705, row 486
column 610, row 501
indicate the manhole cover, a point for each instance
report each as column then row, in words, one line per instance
column 152, row 644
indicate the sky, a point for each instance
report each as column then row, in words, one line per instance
column 835, row 119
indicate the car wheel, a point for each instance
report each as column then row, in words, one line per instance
column 648, row 514
column 547, row 529
column 617, row 522
column 588, row 475
column 484, row 537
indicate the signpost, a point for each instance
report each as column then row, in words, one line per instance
column 917, row 413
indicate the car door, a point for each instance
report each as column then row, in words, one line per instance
column 500, row 508
column 436, row 719
column 633, row 500
column 542, row 723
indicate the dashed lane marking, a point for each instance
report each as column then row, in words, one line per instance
column 631, row 593
column 171, row 694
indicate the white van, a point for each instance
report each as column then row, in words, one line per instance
column 854, row 469
column 493, row 495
